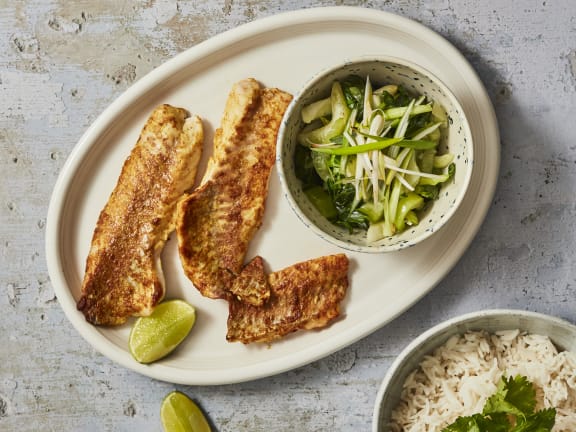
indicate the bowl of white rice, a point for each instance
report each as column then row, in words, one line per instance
column 451, row 370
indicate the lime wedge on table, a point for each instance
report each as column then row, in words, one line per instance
column 179, row 413
column 155, row 336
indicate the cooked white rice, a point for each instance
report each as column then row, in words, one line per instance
column 459, row 376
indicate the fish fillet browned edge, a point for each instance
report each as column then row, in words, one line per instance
column 123, row 275
column 217, row 221
column 306, row 295
column 252, row 285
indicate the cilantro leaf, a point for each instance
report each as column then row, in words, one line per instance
column 514, row 396
column 510, row 409
column 541, row 421
column 521, row 394
column 464, row 424
column 479, row 423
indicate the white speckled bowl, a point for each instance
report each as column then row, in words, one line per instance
column 457, row 137
column 561, row 333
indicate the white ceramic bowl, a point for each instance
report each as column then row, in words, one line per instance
column 456, row 137
column 561, row 333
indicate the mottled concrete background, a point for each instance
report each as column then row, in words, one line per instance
column 62, row 62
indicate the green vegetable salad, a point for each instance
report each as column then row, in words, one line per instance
column 510, row 409
column 369, row 158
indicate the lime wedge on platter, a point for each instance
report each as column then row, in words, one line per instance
column 157, row 335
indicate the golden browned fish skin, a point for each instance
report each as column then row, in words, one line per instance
column 306, row 295
column 252, row 285
column 123, row 275
column 217, row 221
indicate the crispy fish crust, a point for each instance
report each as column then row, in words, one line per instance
column 123, row 272
column 306, row 295
column 252, row 285
column 217, row 221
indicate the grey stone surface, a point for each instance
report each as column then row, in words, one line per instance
column 62, row 63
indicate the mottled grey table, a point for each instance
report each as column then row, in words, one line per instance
column 63, row 62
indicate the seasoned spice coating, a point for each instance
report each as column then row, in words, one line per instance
column 306, row 295
column 252, row 285
column 217, row 221
column 123, row 275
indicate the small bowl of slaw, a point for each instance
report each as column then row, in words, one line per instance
column 375, row 154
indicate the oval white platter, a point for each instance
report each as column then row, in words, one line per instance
column 281, row 51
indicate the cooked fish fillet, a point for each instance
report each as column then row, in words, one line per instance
column 252, row 285
column 217, row 221
column 306, row 295
column 123, row 270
